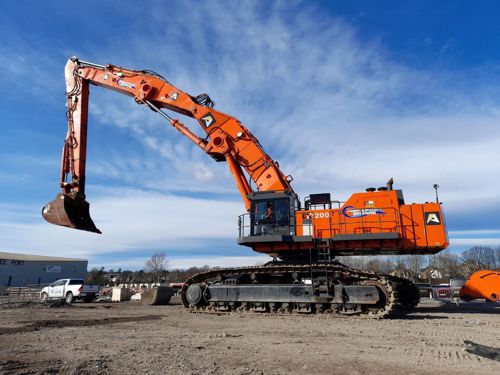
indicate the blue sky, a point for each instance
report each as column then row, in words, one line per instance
column 343, row 94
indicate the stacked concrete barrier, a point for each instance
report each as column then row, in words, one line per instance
column 120, row 294
column 157, row 296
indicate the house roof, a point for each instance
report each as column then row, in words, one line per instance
column 37, row 258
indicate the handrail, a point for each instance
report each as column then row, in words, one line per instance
column 252, row 224
column 364, row 224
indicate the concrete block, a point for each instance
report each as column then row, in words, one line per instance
column 120, row 294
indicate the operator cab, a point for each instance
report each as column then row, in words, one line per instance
column 271, row 223
column 271, row 213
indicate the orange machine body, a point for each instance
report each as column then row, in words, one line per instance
column 482, row 284
column 368, row 223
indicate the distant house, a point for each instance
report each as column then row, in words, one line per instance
column 113, row 277
column 401, row 272
column 434, row 273
column 24, row 269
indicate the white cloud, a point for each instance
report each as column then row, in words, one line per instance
column 475, row 242
column 131, row 221
column 28, row 74
column 338, row 112
column 464, row 161
column 458, row 233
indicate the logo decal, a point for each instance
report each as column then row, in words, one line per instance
column 351, row 212
column 432, row 218
column 123, row 83
column 174, row 96
column 208, row 120
column 53, row 269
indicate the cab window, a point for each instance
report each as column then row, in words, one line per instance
column 260, row 209
column 282, row 211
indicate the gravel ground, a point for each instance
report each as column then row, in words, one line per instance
column 129, row 338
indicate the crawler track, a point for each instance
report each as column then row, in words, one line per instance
column 394, row 293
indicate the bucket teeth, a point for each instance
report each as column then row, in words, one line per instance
column 69, row 212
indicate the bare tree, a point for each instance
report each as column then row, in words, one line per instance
column 97, row 276
column 379, row 264
column 477, row 258
column 157, row 265
column 179, row 276
column 449, row 264
column 125, row 277
column 358, row 262
column 414, row 264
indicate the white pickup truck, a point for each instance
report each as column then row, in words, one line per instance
column 69, row 290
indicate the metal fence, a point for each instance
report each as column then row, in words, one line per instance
column 18, row 295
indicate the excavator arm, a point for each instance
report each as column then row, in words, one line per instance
column 226, row 138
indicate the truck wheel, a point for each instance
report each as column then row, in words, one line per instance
column 44, row 297
column 69, row 298
column 88, row 299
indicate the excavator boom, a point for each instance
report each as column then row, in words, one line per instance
column 226, row 138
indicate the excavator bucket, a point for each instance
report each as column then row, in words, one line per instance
column 69, row 212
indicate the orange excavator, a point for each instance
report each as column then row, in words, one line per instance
column 483, row 284
column 303, row 238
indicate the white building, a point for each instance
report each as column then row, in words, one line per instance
column 24, row 269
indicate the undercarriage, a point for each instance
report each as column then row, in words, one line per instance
column 283, row 288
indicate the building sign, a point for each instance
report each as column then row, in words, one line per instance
column 53, row 269
column 11, row 262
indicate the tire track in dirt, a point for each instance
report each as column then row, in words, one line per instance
column 51, row 323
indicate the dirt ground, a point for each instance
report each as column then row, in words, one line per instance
column 128, row 338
